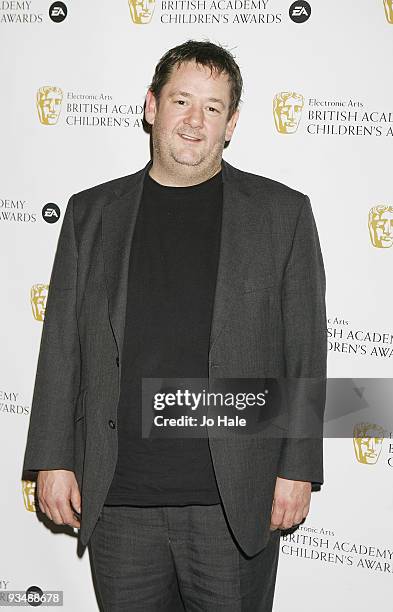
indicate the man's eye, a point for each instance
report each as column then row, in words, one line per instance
column 213, row 109
column 180, row 101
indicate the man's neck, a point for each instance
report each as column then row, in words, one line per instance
column 172, row 179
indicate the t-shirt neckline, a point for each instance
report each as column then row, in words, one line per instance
column 199, row 188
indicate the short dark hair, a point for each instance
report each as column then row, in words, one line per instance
column 204, row 53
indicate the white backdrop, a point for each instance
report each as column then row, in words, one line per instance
column 339, row 61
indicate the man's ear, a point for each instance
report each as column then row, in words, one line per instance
column 150, row 107
column 231, row 125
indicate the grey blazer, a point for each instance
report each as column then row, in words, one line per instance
column 268, row 320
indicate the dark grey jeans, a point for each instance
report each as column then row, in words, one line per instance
column 176, row 558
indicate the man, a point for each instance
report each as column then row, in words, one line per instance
column 187, row 268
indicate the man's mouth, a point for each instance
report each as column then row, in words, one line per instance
column 190, row 138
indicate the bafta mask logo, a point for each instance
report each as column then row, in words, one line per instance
column 380, row 226
column 388, row 4
column 287, row 111
column 28, row 488
column 367, row 441
column 49, row 104
column 141, row 10
column 38, row 297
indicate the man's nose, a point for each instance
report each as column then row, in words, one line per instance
column 194, row 117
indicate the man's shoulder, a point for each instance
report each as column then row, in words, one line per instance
column 112, row 188
column 260, row 185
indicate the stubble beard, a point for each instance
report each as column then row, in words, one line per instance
column 177, row 164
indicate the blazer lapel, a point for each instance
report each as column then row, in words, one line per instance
column 118, row 223
column 232, row 254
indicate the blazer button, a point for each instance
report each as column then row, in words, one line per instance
column 117, row 361
column 112, row 424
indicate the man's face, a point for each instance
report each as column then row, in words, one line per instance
column 190, row 124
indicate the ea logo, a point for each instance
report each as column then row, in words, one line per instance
column 58, row 11
column 51, row 213
column 300, row 11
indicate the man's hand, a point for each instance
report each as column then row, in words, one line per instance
column 58, row 496
column 291, row 503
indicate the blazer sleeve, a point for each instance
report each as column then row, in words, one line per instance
column 305, row 350
column 50, row 435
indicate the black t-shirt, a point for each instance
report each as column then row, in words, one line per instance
column 172, row 279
